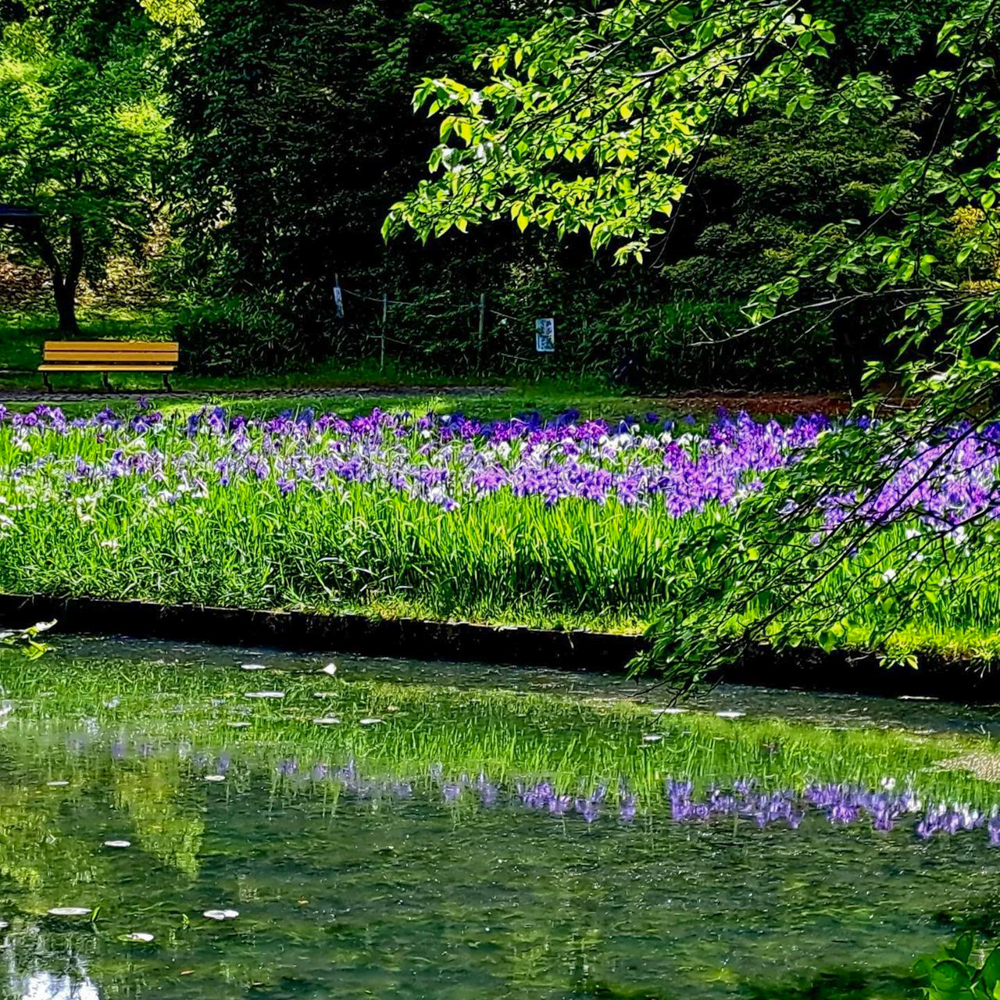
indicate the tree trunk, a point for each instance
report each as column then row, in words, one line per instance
column 65, row 305
column 844, row 328
column 64, row 283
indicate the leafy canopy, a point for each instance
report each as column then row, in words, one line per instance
column 83, row 129
column 594, row 122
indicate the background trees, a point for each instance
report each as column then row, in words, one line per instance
column 83, row 136
column 274, row 142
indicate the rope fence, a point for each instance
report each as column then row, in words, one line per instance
column 450, row 311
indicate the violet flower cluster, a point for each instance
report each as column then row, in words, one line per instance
column 446, row 460
column 450, row 460
column 943, row 482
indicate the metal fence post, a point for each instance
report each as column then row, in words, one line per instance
column 385, row 319
column 482, row 328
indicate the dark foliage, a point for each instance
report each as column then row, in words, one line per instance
column 301, row 135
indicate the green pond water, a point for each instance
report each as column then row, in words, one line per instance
column 398, row 829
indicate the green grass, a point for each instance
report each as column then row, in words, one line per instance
column 22, row 337
column 21, row 340
column 503, row 561
column 362, row 548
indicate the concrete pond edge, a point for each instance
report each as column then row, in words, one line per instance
column 839, row 671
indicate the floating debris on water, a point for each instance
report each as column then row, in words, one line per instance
column 253, row 666
column 221, row 914
column 140, row 936
column 70, row 911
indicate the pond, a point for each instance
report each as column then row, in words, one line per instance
column 232, row 824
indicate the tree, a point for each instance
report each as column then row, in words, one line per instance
column 300, row 133
column 899, row 514
column 83, row 135
column 596, row 123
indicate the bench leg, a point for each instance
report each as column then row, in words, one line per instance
column 166, row 382
column 46, row 382
column 104, row 379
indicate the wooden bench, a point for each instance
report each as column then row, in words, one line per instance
column 107, row 356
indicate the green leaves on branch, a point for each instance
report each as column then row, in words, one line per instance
column 593, row 122
column 84, row 136
column 930, row 253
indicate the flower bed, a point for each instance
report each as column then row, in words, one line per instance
column 565, row 521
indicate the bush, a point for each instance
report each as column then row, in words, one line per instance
column 238, row 336
column 636, row 337
column 689, row 344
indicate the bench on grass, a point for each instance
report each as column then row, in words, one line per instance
column 106, row 356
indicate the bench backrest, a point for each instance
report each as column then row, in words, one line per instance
column 123, row 352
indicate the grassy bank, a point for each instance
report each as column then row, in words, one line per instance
column 538, row 385
column 574, row 523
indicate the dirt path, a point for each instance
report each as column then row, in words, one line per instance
column 83, row 396
column 756, row 404
column 769, row 404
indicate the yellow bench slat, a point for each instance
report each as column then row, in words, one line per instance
column 111, row 359
column 112, row 345
column 107, row 368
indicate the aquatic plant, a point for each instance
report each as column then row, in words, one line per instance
column 26, row 639
column 957, row 973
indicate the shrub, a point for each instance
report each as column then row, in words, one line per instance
column 238, row 335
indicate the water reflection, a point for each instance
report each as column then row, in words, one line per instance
column 474, row 843
column 47, row 986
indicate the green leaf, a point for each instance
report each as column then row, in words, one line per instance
column 990, row 972
column 949, row 976
column 963, row 948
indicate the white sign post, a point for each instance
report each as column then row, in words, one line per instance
column 545, row 336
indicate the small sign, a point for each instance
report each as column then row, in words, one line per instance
column 545, row 336
column 338, row 301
